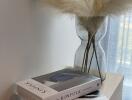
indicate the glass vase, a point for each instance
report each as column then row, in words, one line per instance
column 96, row 60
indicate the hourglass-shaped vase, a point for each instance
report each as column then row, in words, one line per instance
column 91, row 32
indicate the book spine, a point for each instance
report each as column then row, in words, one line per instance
column 34, row 91
column 76, row 91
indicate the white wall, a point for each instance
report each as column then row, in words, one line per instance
column 27, row 51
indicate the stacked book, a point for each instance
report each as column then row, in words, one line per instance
column 66, row 84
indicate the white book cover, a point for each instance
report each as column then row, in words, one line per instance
column 66, row 84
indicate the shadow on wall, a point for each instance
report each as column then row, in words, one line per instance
column 21, row 45
column 16, row 97
column 32, row 41
column 8, row 95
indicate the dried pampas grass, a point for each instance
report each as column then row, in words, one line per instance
column 116, row 7
column 89, row 8
column 78, row 7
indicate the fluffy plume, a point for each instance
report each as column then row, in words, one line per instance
column 114, row 7
column 92, row 24
column 89, row 8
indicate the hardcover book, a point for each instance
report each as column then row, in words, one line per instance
column 66, row 84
